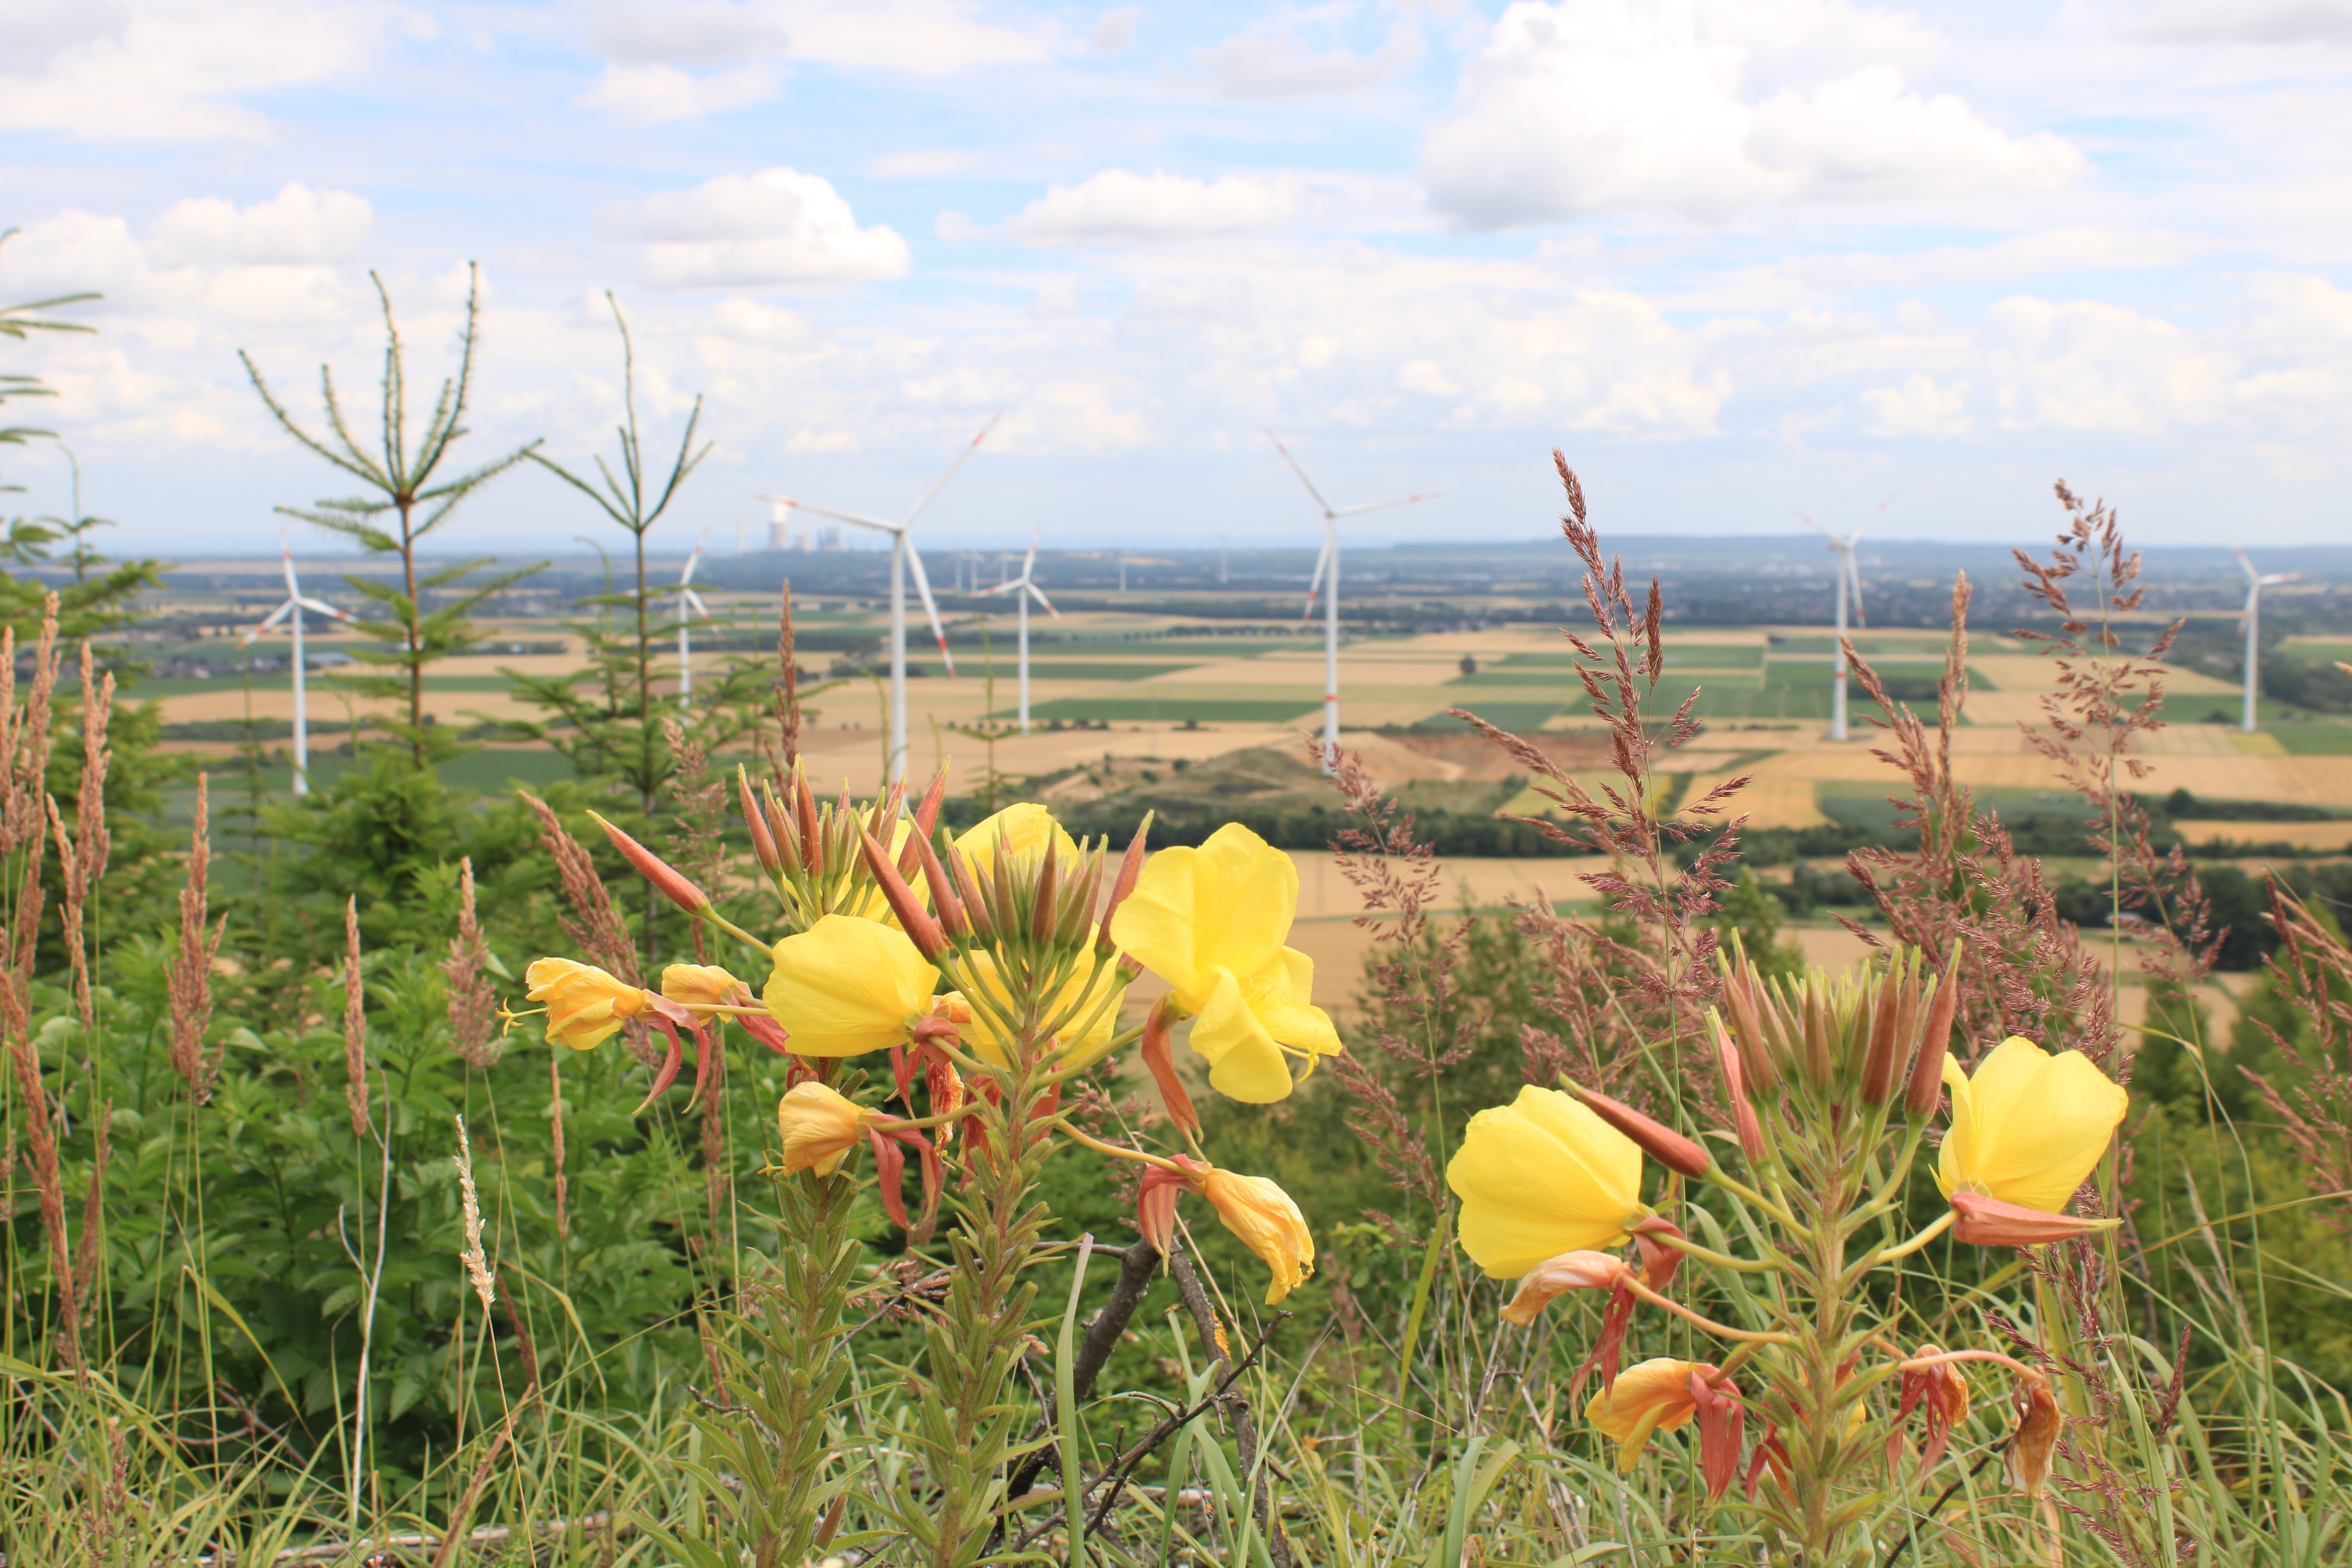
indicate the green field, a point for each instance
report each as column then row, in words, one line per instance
column 1167, row 710
column 2314, row 740
column 1516, row 717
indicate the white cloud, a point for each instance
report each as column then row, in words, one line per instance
column 1918, row 407
column 653, row 94
column 822, row 441
column 1115, row 29
column 2240, row 21
column 1864, row 134
column 751, row 320
column 921, row 38
column 169, row 70
column 1270, row 60
column 1119, row 205
column 777, row 226
column 297, row 224
column 1633, row 105
column 687, row 32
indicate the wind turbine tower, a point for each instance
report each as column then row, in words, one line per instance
column 1023, row 588
column 1328, row 564
column 293, row 610
column 1849, row 577
column 903, row 558
column 689, row 604
column 2255, row 583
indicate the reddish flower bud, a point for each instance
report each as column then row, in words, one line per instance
column 1041, row 918
column 1926, row 1085
column 654, row 869
column 934, row 877
column 920, row 928
column 1748, row 1031
column 1743, row 1115
column 1669, row 1148
column 762, row 846
column 1556, row 1277
column 1878, row 1060
column 1131, row 866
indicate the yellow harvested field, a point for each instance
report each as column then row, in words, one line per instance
column 2333, row 838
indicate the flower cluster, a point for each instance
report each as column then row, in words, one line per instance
column 1830, row 1086
column 1002, row 953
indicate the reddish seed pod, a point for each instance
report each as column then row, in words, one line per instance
column 762, row 846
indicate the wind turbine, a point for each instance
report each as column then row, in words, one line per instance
column 1023, row 588
column 2255, row 583
column 1849, row 575
column 902, row 556
column 689, row 604
column 293, row 608
column 1328, row 561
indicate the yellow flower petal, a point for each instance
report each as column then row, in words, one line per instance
column 1244, row 1061
column 1541, row 1176
column 1226, row 905
column 846, row 986
column 1278, row 995
column 819, row 1126
column 1025, row 828
column 585, row 1006
column 698, row 985
column 2028, row 1127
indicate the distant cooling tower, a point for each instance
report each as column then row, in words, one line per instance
column 780, row 531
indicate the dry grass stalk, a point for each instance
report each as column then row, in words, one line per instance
column 89, row 1254
column 40, row 1134
column 594, row 925
column 473, row 1001
column 192, row 970
column 555, row 1115
column 697, row 845
column 355, row 1084
column 83, row 861
column 2312, row 972
column 25, row 736
column 788, row 702
column 477, row 1267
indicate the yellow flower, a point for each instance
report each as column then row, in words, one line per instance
column 819, row 1127
column 2029, row 1127
column 1025, row 829
column 846, row 985
column 1212, row 922
column 1541, row 1176
column 1654, row 1396
column 701, row 985
column 585, row 1006
column 1269, row 1223
column 1079, row 1000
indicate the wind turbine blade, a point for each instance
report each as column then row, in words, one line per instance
column 941, row 482
column 1314, row 583
column 1382, row 505
column 1300, row 472
column 694, row 600
column 1873, row 517
column 1039, row 594
column 2251, row 575
column 856, row 519
column 1835, row 543
column 275, row 615
column 1853, row 577
column 1030, row 564
column 923, row 586
column 693, row 559
column 324, row 609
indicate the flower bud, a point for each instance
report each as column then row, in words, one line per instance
column 1743, row 1115
column 1748, row 1029
column 1926, row 1085
column 1131, row 866
column 762, row 844
column 916, row 921
column 666, row 880
column 704, row 985
column 1667, row 1147
column 819, row 1127
column 1157, row 1052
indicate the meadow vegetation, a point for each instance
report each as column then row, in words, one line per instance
column 363, row 1206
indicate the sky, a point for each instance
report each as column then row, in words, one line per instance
column 1739, row 259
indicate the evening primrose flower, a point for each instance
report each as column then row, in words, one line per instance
column 1543, row 1176
column 585, row 1006
column 2029, row 1127
column 1664, row 1395
column 846, row 986
column 702, row 986
column 1212, row 921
